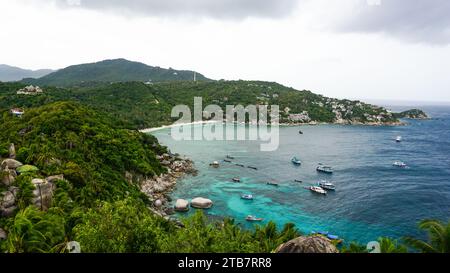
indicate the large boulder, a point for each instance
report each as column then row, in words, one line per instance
column 12, row 151
column 182, row 205
column 54, row 178
column 201, row 203
column 7, row 177
column 310, row 244
column 7, row 199
column 3, row 235
column 11, row 164
column 43, row 194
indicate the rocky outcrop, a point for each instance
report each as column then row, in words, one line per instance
column 182, row 205
column 412, row 114
column 8, row 202
column 7, row 177
column 11, row 164
column 201, row 203
column 43, row 193
column 310, row 244
column 12, row 151
column 3, row 235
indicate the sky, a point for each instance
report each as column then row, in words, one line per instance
column 357, row 49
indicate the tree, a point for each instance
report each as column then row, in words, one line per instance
column 438, row 237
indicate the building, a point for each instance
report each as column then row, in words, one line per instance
column 30, row 90
column 17, row 112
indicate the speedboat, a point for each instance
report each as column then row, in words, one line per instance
column 400, row 164
column 324, row 169
column 252, row 218
column 253, row 168
column 237, row 180
column 298, row 181
column 247, row 196
column 326, row 185
column 273, row 184
column 215, row 164
column 296, row 161
column 318, row 190
column 398, row 139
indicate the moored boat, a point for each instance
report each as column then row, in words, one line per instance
column 273, row 184
column 398, row 139
column 326, row 185
column 400, row 164
column 296, row 161
column 324, row 169
column 318, row 190
column 215, row 164
column 252, row 218
column 236, row 180
column 247, row 196
column 230, row 157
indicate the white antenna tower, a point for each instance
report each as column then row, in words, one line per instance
column 195, row 76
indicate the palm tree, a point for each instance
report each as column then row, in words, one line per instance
column 388, row 245
column 438, row 237
column 354, row 247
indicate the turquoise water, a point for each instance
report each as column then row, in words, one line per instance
column 373, row 198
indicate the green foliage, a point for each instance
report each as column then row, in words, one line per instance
column 438, row 237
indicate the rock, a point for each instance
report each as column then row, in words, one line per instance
column 3, row 235
column 7, row 212
column 43, row 194
column 8, row 200
column 165, row 163
column 12, row 151
column 37, row 181
column 158, row 203
column 54, row 178
column 7, row 177
column 169, row 211
column 14, row 190
column 201, row 203
column 11, row 164
column 182, row 205
column 310, row 244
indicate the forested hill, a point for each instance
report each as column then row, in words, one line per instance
column 117, row 70
column 137, row 105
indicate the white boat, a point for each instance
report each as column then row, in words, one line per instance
column 247, row 196
column 252, row 218
column 324, row 169
column 318, row 190
column 400, row 164
column 326, row 185
column 398, row 139
column 215, row 164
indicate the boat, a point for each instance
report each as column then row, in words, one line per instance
column 324, row 169
column 240, row 165
column 335, row 239
column 298, row 181
column 237, row 180
column 296, row 161
column 226, row 160
column 247, row 196
column 215, row 164
column 230, row 157
column 318, row 190
column 400, row 164
column 252, row 218
column 326, row 185
column 398, row 139
column 300, row 132
column 273, row 184
column 253, row 168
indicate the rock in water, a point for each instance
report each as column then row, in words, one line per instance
column 182, row 205
column 11, row 164
column 12, row 151
column 310, row 244
column 201, row 203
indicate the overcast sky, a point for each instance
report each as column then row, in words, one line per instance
column 359, row 49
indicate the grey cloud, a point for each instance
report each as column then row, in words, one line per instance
column 223, row 9
column 425, row 21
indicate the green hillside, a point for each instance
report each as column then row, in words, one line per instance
column 117, row 70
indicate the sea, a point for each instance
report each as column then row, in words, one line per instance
column 372, row 198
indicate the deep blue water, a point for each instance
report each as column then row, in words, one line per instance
column 373, row 198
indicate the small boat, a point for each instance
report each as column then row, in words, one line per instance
column 240, row 165
column 237, row 180
column 324, row 169
column 253, row 168
column 326, row 185
column 296, row 161
column 230, row 157
column 300, row 132
column 273, row 184
column 398, row 139
column 226, row 160
column 215, row 164
column 298, row 181
column 247, row 196
column 252, row 218
column 400, row 164
column 318, row 190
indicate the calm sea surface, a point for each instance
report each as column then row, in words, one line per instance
column 373, row 198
